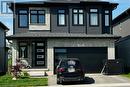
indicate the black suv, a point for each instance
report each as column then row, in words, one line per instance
column 69, row 69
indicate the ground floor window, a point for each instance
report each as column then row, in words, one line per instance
column 23, row 50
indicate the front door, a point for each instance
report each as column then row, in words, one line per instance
column 39, row 54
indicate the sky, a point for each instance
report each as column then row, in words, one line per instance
column 7, row 19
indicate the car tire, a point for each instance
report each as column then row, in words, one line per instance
column 58, row 81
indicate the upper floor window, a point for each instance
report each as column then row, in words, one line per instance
column 61, row 17
column 78, row 17
column 107, row 22
column 23, row 18
column 37, row 16
column 94, row 18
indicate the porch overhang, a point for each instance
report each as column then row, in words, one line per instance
column 31, row 35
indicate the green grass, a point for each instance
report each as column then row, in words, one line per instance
column 6, row 81
column 126, row 75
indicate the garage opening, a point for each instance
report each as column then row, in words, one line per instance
column 91, row 57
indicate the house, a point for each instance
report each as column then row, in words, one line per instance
column 121, row 26
column 3, row 56
column 46, row 31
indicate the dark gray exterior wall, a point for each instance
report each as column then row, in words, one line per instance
column 69, row 28
column 86, row 28
column 123, row 51
column 2, row 51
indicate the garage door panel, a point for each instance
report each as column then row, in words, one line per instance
column 90, row 57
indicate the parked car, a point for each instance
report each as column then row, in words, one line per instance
column 69, row 69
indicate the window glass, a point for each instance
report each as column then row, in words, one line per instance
column 106, row 11
column 61, row 11
column 75, row 10
column 93, row 10
column 75, row 19
column 23, row 23
column 106, row 20
column 23, row 18
column 78, row 17
column 41, row 19
column 33, row 18
column 23, row 50
column 37, row 16
column 60, row 50
column 94, row 19
column 80, row 11
column 61, row 17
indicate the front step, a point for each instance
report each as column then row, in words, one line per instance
column 36, row 72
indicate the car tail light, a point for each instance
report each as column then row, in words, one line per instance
column 61, row 70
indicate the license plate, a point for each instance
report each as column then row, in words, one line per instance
column 71, row 69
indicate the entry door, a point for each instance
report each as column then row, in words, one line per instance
column 39, row 54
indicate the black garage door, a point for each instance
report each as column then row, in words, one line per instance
column 90, row 57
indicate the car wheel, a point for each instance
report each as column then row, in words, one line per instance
column 58, row 81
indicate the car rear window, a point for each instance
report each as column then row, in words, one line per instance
column 68, row 63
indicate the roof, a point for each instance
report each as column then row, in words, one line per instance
column 60, row 2
column 58, row 35
column 3, row 26
column 123, row 16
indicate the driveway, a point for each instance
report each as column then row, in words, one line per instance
column 95, row 80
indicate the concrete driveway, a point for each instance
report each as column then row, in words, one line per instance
column 95, row 80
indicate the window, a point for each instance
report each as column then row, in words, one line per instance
column 23, row 50
column 94, row 17
column 23, row 14
column 5, row 7
column 37, row 17
column 78, row 17
column 61, row 17
column 107, row 22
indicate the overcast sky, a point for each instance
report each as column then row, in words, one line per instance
column 123, row 5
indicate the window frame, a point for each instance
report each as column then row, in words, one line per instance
column 90, row 13
column 58, row 24
column 107, row 14
column 78, row 13
column 37, row 14
column 23, row 14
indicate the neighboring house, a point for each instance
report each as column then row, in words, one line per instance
column 47, row 31
column 3, row 55
column 121, row 26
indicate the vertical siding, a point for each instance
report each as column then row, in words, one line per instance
column 123, row 51
column 2, row 50
column 122, row 28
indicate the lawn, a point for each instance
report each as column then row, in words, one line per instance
column 6, row 81
column 127, row 75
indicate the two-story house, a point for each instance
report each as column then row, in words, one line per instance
column 3, row 56
column 46, row 31
column 121, row 26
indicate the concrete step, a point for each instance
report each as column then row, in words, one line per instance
column 36, row 72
